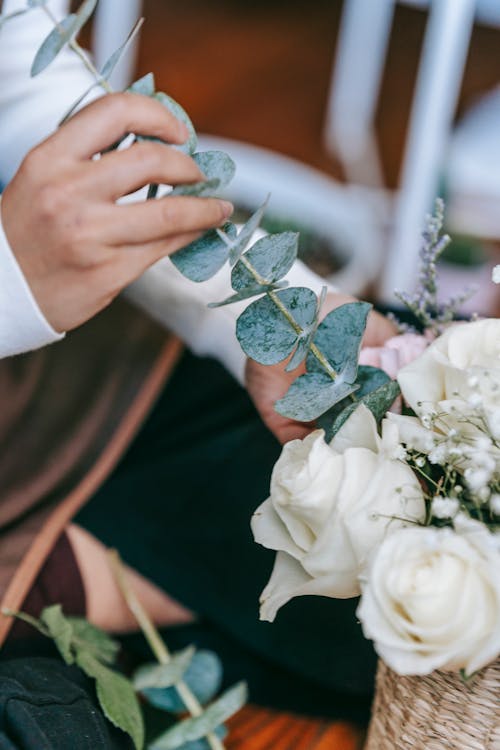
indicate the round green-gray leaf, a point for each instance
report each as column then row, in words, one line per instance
column 265, row 333
column 216, row 165
column 189, row 147
column 201, row 259
column 272, row 257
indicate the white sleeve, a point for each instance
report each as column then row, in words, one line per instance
column 22, row 324
column 30, row 109
column 181, row 306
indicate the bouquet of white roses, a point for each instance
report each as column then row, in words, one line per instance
column 408, row 518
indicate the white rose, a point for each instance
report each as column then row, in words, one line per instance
column 432, row 599
column 330, row 505
column 464, row 360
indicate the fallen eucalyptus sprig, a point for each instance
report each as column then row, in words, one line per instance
column 171, row 672
column 176, row 683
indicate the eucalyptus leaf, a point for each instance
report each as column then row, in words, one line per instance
column 368, row 379
column 145, row 85
column 156, row 675
column 272, row 257
column 96, row 641
column 311, row 395
column 379, row 401
column 246, row 232
column 8, row 16
column 203, row 677
column 194, row 728
column 306, row 337
column 60, row 630
column 84, row 12
column 216, row 165
column 302, row 349
column 201, row 259
column 189, row 147
column 252, row 290
column 117, row 55
column 205, row 189
column 54, row 43
column 262, row 329
column 339, row 338
column 116, row 697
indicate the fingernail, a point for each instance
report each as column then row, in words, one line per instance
column 227, row 208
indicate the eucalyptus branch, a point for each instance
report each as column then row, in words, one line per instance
column 334, row 342
column 155, row 641
column 73, row 44
column 296, row 327
column 28, row 619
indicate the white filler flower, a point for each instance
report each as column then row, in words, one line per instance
column 330, row 506
column 432, row 599
column 496, row 275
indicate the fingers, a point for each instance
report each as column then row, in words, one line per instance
column 122, row 172
column 131, row 261
column 141, row 223
column 378, row 330
column 127, row 263
column 108, row 119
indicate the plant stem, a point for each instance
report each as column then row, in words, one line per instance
column 314, row 349
column 73, row 44
column 90, row 66
column 27, row 619
column 155, row 641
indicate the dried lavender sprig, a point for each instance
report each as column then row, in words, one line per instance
column 424, row 303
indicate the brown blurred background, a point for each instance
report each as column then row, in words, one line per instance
column 259, row 71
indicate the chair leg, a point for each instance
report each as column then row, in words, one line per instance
column 354, row 88
column 440, row 74
column 113, row 21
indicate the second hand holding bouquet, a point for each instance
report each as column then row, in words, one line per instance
column 410, row 518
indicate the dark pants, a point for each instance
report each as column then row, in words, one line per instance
column 178, row 508
column 45, row 705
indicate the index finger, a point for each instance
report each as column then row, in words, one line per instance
column 106, row 120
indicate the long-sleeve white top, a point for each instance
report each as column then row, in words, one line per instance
column 29, row 111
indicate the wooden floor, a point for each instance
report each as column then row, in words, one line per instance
column 258, row 729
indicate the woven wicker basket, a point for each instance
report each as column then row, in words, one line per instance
column 436, row 712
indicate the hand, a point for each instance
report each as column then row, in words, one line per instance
column 75, row 246
column 267, row 384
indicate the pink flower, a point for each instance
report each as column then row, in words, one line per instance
column 395, row 354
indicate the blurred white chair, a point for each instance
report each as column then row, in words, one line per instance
column 112, row 23
column 364, row 36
